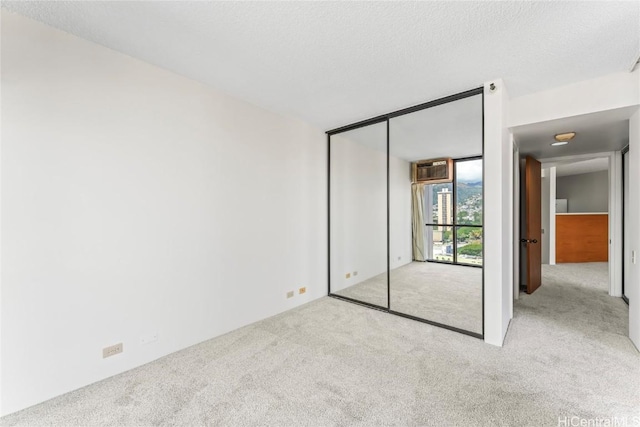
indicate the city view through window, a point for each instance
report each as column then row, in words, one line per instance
column 455, row 232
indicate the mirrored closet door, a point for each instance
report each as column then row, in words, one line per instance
column 406, row 212
column 358, row 214
column 436, row 219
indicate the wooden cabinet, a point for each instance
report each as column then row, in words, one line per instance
column 582, row 238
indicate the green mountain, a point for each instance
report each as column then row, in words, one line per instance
column 465, row 190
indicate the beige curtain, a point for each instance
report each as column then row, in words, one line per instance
column 417, row 211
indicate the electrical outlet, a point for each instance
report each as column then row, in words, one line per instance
column 112, row 350
column 290, row 294
column 347, row 275
column 355, row 273
column 149, row 338
column 302, row 290
column 633, row 257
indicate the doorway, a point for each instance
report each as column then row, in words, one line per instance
column 583, row 178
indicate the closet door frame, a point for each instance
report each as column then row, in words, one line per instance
column 358, row 125
column 385, row 118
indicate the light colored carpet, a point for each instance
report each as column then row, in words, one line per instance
column 334, row 363
column 443, row 293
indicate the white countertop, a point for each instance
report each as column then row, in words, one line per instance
column 583, row 213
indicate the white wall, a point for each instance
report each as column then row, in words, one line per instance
column 617, row 90
column 498, row 218
column 544, row 206
column 358, row 180
column 616, row 251
column 359, row 208
column 585, row 192
column 633, row 233
column 516, row 221
column 552, row 215
column 400, row 220
column 548, row 211
column 136, row 201
column 626, row 251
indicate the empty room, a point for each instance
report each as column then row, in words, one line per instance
column 319, row 213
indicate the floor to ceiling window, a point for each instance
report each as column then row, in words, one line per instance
column 454, row 213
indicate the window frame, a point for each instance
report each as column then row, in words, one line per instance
column 454, row 215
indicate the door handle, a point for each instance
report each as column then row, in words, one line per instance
column 534, row 241
column 525, row 241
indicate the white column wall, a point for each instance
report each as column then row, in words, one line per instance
column 552, row 215
column 498, row 218
column 633, row 234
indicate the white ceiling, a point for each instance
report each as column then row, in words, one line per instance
column 333, row 63
column 451, row 130
column 595, row 133
column 584, row 166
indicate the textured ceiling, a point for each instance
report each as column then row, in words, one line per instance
column 332, row 63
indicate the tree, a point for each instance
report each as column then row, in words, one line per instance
column 462, row 216
column 469, row 233
column 472, row 249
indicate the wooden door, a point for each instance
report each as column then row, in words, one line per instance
column 533, row 224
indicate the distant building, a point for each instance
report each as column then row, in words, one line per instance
column 445, row 210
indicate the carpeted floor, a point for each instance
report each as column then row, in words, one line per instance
column 334, row 363
column 443, row 293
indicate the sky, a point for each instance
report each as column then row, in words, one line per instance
column 470, row 171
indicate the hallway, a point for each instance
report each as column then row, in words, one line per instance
column 576, row 295
column 572, row 325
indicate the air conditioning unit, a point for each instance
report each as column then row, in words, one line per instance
column 434, row 171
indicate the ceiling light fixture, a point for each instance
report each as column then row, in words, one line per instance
column 557, row 143
column 565, row 137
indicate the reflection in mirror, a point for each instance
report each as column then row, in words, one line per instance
column 435, row 228
column 469, row 191
column 469, row 245
column 358, row 214
column 468, row 233
column 439, row 239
